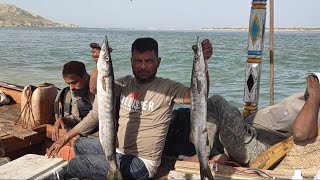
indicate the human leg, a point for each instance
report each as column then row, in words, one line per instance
column 132, row 167
column 88, row 166
column 87, row 146
column 90, row 162
column 236, row 136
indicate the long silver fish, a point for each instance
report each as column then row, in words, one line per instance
column 198, row 112
column 106, row 108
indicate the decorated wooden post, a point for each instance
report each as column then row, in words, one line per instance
column 255, row 49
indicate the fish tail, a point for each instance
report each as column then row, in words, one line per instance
column 114, row 175
column 206, row 173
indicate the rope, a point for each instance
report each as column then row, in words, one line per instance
column 24, row 107
column 28, row 110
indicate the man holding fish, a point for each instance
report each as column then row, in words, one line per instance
column 146, row 103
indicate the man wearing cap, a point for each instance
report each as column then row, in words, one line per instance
column 95, row 51
column 75, row 75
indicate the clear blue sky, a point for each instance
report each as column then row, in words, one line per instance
column 167, row 14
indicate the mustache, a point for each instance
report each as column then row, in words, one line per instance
column 143, row 71
column 79, row 92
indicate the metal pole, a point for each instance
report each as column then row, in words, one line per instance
column 271, row 47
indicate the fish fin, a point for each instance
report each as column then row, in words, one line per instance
column 103, row 81
column 114, row 175
column 199, row 86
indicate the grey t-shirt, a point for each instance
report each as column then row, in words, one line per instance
column 145, row 113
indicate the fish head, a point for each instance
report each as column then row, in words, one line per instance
column 104, row 61
column 200, row 64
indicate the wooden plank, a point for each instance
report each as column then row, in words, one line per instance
column 41, row 129
column 181, row 175
column 32, row 166
column 12, row 143
column 273, row 155
column 15, row 129
column 228, row 172
column 10, row 112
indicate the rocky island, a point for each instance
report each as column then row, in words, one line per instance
column 11, row 15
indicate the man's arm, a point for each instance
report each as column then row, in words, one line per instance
column 93, row 81
column 56, row 146
column 90, row 122
column 305, row 127
column 207, row 52
column 67, row 121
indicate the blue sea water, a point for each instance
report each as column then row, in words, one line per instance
column 36, row 55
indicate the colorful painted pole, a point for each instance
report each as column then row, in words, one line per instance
column 255, row 48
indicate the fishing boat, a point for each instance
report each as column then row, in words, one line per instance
column 26, row 145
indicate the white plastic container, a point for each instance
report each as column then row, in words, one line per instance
column 33, row 166
column 297, row 175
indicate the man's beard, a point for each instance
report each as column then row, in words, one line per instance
column 144, row 79
column 79, row 92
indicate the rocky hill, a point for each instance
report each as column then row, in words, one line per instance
column 11, row 15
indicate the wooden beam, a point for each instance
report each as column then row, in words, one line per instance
column 271, row 51
column 12, row 143
column 273, row 155
column 10, row 112
column 15, row 129
column 191, row 170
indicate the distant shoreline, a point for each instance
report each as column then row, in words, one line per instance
column 172, row 29
column 275, row 29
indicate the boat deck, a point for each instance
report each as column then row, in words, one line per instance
column 18, row 140
column 10, row 112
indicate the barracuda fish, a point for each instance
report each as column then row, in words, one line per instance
column 106, row 108
column 198, row 113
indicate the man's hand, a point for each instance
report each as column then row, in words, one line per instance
column 206, row 48
column 55, row 133
column 56, row 146
column 313, row 88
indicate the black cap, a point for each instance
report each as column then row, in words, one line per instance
column 95, row 45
